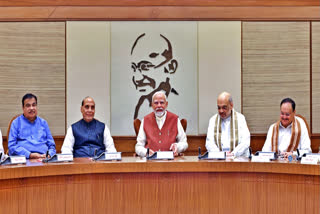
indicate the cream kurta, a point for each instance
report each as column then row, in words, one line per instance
column 244, row 136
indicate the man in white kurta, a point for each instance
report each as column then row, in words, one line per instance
column 228, row 130
column 289, row 133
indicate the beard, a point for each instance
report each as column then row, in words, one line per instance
column 159, row 112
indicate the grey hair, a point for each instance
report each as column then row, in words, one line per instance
column 230, row 99
column 82, row 102
column 159, row 92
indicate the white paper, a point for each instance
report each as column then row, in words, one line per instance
column 309, row 160
column 314, row 156
column 269, row 155
column 165, row 155
column 64, row 157
column 216, row 155
column 18, row 159
column 113, row 156
column 260, row 159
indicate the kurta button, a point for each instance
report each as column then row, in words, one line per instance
column 159, row 133
column 159, row 141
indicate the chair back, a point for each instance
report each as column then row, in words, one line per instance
column 305, row 121
column 184, row 124
column 9, row 125
column 8, row 131
column 136, row 126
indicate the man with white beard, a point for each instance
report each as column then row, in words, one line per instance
column 160, row 130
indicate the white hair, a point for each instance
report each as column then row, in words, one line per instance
column 157, row 93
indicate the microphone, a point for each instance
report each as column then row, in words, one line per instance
column 95, row 157
column 147, row 152
column 46, row 160
column 250, row 152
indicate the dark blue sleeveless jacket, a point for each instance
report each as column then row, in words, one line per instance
column 88, row 138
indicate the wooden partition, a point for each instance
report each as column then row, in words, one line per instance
column 159, row 10
column 32, row 60
column 315, row 37
column 275, row 65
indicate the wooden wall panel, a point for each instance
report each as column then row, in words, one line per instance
column 316, row 77
column 62, row 13
column 32, row 59
column 276, row 64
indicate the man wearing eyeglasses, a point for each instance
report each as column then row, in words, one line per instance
column 228, row 130
column 30, row 134
column 289, row 133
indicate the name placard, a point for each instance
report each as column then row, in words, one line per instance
column 64, row 157
column 165, row 155
column 18, row 159
column 216, row 155
column 112, row 156
column 260, row 159
column 309, row 160
column 314, row 155
column 269, row 155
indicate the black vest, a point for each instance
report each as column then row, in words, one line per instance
column 88, row 138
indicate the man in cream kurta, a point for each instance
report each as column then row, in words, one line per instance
column 289, row 133
column 228, row 130
column 158, row 124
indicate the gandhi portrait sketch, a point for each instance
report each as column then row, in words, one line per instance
column 153, row 61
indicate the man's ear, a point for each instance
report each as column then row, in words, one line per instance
column 173, row 65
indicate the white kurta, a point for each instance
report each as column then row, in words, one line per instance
column 244, row 136
column 285, row 136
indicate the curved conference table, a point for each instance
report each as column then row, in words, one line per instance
column 184, row 185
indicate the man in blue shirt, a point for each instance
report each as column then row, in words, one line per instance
column 30, row 134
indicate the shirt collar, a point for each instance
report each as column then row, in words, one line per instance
column 289, row 126
column 26, row 119
column 90, row 123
